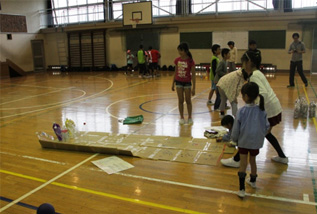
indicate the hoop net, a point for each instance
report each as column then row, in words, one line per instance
column 135, row 22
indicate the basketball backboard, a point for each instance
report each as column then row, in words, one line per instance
column 137, row 13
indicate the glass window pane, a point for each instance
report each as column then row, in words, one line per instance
column 72, row 3
column 304, row 3
column 117, row 10
column 95, row 13
column 94, row 1
column 81, row 2
column 82, row 12
column 203, row 6
column 60, row 3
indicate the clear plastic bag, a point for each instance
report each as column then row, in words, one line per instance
column 312, row 109
column 297, row 109
column 304, row 108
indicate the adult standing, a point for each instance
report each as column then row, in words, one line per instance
column 297, row 48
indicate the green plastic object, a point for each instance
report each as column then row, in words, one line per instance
column 133, row 120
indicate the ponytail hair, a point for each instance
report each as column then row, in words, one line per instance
column 254, row 57
column 184, row 47
column 261, row 102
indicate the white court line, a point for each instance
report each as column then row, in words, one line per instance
column 274, row 198
column 48, row 104
column 47, row 183
column 32, row 86
column 62, row 104
column 33, row 158
column 305, row 197
column 24, row 98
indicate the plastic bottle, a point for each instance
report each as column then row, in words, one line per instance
column 58, row 131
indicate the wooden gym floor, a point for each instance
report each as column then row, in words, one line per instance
column 68, row 180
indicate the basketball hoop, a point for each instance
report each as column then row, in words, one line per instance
column 135, row 22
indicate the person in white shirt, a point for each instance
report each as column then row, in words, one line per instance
column 233, row 57
column 272, row 107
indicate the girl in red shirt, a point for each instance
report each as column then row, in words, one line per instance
column 185, row 80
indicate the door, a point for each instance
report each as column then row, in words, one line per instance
column 38, row 55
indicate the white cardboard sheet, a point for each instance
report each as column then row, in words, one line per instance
column 112, row 164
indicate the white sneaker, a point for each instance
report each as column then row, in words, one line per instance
column 230, row 163
column 241, row 193
column 252, row 184
column 209, row 102
column 280, row 160
column 190, row 121
column 181, row 122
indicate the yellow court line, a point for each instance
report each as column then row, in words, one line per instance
column 108, row 195
column 314, row 119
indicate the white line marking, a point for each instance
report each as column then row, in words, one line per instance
column 66, row 103
column 47, row 183
column 274, row 198
column 306, row 197
column 24, row 98
column 49, row 104
column 33, row 158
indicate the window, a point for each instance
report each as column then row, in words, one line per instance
column 304, row 3
column 77, row 11
column 163, row 7
column 203, row 6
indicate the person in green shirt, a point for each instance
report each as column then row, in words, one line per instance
column 141, row 62
column 213, row 66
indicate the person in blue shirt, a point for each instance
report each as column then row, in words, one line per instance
column 249, row 130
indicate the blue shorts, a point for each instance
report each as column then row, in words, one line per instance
column 183, row 84
column 213, row 85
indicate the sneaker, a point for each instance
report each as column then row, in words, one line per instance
column 210, row 103
column 252, row 184
column 190, row 121
column 290, row 86
column 280, row 160
column 217, row 109
column 230, row 163
column 241, row 193
column 227, row 107
column 181, row 122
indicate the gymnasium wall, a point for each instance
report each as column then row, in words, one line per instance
column 170, row 38
column 19, row 48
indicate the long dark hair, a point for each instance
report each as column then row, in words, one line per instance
column 184, row 47
column 252, row 90
column 254, row 57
